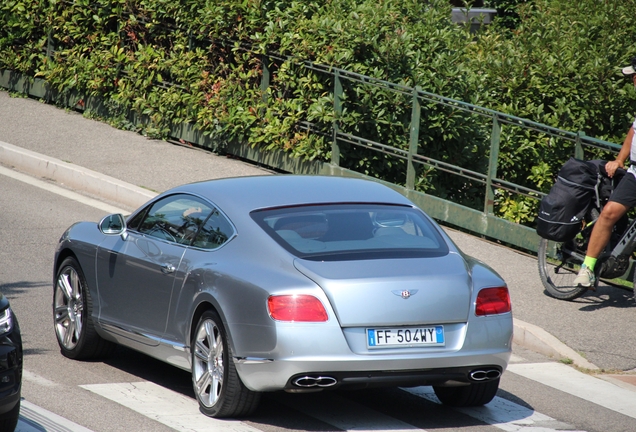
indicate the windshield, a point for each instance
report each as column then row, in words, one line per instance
column 352, row 231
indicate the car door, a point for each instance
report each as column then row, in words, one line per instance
column 213, row 235
column 136, row 272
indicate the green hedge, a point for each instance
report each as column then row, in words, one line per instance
column 201, row 62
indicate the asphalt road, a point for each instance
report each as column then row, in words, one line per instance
column 598, row 325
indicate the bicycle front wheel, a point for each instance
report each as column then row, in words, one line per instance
column 558, row 273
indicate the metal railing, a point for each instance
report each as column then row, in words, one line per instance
column 516, row 234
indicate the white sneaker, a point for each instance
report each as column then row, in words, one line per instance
column 585, row 277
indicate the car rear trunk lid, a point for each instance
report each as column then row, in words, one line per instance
column 389, row 292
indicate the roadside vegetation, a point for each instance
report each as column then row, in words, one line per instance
column 201, row 62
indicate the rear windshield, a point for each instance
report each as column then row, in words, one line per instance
column 352, row 231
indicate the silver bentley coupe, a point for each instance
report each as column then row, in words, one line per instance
column 283, row 282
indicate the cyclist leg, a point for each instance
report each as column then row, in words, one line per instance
column 602, row 230
column 622, row 199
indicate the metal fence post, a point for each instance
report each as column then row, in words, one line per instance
column 49, row 44
column 495, row 138
column 578, row 149
column 414, row 139
column 265, row 79
column 337, row 107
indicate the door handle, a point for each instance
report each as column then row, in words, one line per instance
column 168, row 268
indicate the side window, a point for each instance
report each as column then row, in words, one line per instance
column 216, row 231
column 175, row 218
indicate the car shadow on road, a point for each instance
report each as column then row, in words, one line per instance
column 368, row 409
column 150, row 369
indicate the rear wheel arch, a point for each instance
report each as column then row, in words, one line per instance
column 201, row 308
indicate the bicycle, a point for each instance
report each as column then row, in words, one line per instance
column 559, row 263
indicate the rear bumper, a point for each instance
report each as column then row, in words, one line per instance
column 456, row 369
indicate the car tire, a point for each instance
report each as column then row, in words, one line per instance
column 217, row 386
column 475, row 394
column 9, row 420
column 72, row 315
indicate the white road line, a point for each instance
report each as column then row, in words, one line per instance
column 347, row 415
column 571, row 381
column 503, row 414
column 109, row 209
column 36, row 419
column 165, row 406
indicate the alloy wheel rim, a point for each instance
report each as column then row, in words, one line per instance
column 69, row 308
column 208, row 366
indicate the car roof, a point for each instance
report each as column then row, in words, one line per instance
column 244, row 194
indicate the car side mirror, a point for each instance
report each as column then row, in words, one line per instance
column 114, row 224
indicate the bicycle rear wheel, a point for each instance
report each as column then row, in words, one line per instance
column 558, row 273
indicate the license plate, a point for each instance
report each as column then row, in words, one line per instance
column 405, row 337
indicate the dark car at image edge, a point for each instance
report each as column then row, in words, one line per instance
column 10, row 367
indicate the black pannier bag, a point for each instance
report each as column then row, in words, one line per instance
column 562, row 210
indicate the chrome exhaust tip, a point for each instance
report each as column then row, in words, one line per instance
column 485, row 374
column 314, row 381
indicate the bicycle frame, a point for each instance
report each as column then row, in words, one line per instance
column 627, row 243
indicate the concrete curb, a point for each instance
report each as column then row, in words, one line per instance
column 536, row 339
column 108, row 188
column 74, row 177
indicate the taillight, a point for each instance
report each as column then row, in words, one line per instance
column 297, row 308
column 492, row 301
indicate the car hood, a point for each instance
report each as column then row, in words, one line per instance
column 370, row 292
